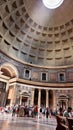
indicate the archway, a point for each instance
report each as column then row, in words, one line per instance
column 8, row 71
column 63, row 101
column 24, row 98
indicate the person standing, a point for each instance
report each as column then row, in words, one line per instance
column 60, row 111
column 47, row 112
column 68, row 113
column 13, row 110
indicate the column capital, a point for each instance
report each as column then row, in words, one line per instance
column 33, row 89
column 46, row 90
column 39, row 89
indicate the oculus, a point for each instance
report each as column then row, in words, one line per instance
column 52, row 4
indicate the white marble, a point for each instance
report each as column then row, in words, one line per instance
column 7, row 122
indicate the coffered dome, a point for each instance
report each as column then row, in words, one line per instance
column 32, row 33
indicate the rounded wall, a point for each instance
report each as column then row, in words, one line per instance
column 29, row 72
column 59, row 82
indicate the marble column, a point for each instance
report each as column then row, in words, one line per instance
column 72, row 99
column 47, row 98
column 13, row 99
column 54, row 100
column 39, row 98
column 32, row 97
column 20, row 100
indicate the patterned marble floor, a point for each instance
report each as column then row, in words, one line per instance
column 7, row 122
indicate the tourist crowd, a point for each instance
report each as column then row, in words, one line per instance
column 34, row 111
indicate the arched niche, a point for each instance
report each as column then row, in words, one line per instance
column 9, row 70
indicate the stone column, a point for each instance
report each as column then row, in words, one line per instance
column 39, row 98
column 20, row 100
column 47, row 98
column 13, row 99
column 72, row 99
column 54, row 100
column 32, row 97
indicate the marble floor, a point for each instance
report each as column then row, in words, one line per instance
column 7, row 122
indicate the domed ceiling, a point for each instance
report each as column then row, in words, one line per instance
column 32, row 33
